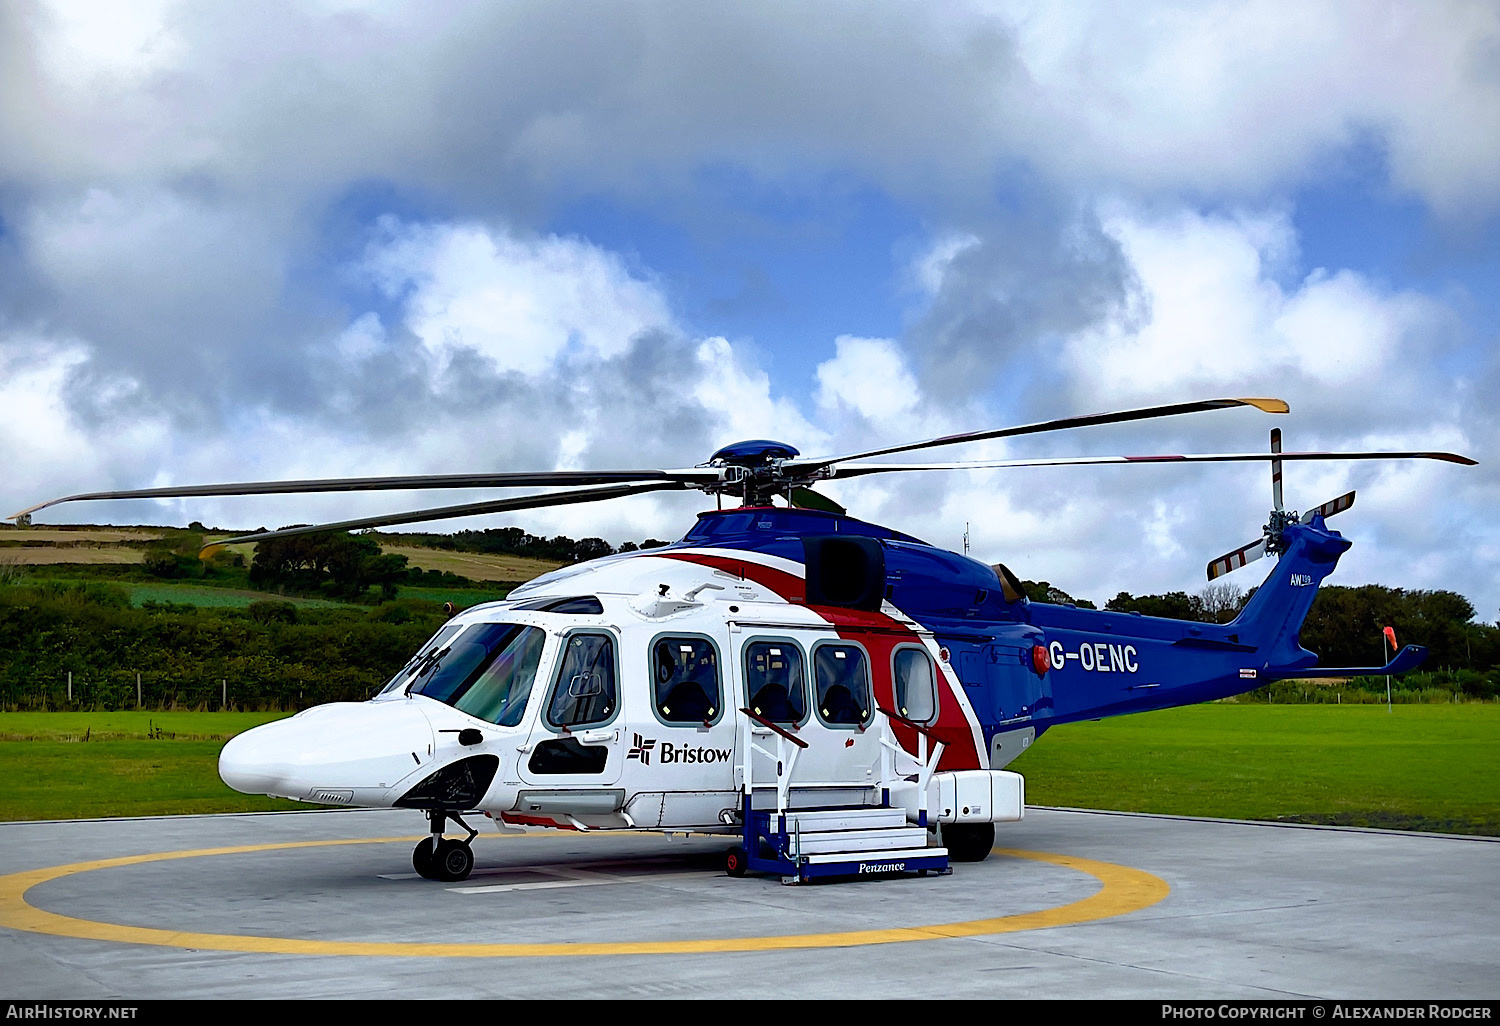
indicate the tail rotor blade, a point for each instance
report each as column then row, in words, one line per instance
column 1330, row 507
column 1236, row 559
column 1276, row 471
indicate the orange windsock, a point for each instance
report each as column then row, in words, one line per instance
column 1390, row 635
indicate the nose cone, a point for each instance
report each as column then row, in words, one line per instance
column 330, row 753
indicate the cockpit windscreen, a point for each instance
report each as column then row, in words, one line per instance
column 487, row 671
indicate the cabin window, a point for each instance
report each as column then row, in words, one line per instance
column 487, row 671
column 585, row 689
column 774, row 681
column 841, row 678
column 915, row 685
column 685, row 680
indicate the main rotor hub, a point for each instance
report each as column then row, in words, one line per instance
column 752, row 469
column 755, row 451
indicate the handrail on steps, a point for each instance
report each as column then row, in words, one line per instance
column 758, row 718
column 914, row 725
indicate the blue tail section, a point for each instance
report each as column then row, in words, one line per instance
column 1104, row 663
column 1272, row 619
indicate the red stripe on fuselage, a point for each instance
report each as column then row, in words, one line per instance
column 879, row 634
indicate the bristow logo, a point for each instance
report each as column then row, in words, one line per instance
column 669, row 753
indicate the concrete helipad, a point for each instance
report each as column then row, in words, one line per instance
column 1076, row 905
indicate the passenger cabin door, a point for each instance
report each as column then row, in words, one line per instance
column 820, row 687
column 684, row 746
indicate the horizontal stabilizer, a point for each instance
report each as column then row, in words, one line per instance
column 1236, row 559
column 1330, row 507
column 1409, row 658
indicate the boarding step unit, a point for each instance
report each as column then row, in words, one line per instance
column 800, row 843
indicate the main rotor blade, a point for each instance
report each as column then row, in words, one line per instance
column 862, row 469
column 559, row 478
column 1088, row 420
column 467, row 510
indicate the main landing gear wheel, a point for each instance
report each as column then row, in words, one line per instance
column 968, row 842
column 734, row 861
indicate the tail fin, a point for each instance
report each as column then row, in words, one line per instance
column 1272, row 619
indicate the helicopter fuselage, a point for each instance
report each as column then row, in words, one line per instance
column 629, row 691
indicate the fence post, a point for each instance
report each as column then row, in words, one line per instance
column 70, row 686
column 138, row 689
column 223, row 695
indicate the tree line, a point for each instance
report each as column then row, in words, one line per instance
column 273, row 654
column 1345, row 628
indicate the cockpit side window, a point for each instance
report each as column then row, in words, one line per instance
column 685, row 680
column 584, row 692
column 915, row 684
column 486, row 671
column 774, row 681
column 842, row 678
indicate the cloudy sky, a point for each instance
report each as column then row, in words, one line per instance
column 315, row 239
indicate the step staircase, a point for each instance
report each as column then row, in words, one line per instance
column 843, row 841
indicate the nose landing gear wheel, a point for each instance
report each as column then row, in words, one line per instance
column 437, row 858
column 455, row 860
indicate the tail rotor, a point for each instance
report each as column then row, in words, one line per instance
column 1270, row 540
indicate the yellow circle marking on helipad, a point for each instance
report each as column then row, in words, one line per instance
column 1123, row 890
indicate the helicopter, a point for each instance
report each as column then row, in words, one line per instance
column 827, row 692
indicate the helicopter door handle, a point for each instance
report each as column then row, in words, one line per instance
column 595, row 736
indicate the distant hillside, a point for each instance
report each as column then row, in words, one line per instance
column 108, row 545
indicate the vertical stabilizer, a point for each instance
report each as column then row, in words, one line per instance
column 1272, row 619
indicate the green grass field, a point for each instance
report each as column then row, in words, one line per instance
column 217, row 598
column 1423, row 767
column 87, row 765
column 463, row 598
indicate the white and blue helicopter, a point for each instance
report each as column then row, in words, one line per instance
column 826, row 691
